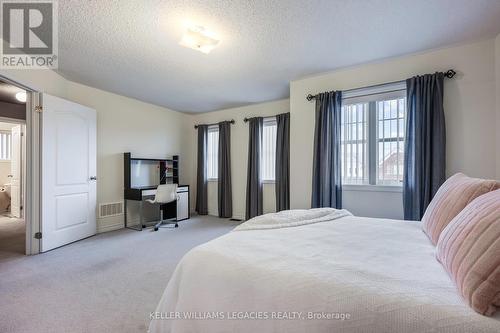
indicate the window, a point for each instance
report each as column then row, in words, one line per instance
column 268, row 159
column 390, row 140
column 213, row 153
column 372, row 135
column 354, row 139
column 5, row 146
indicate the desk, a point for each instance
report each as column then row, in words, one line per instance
column 177, row 209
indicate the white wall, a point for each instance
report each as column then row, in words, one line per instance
column 128, row 125
column 123, row 124
column 469, row 102
column 41, row 80
column 239, row 154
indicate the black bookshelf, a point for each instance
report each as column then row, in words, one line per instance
column 175, row 169
column 169, row 169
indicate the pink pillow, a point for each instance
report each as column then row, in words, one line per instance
column 455, row 193
column 469, row 249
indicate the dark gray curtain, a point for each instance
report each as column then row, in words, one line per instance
column 425, row 145
column 282, row 173
column 326, row 182
column 201, row 178
column 254, row 183
column 225, row 195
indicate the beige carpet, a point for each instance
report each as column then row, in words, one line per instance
column 12, row 238
column 106, row 283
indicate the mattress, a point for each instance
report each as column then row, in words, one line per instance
column 350, row 274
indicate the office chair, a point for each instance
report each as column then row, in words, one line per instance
column 164, row 194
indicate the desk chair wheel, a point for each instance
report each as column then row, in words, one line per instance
column 156, row 229
column 177, row 225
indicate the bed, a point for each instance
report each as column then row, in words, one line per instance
column 335, row 273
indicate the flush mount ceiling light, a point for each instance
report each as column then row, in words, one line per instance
column 21, row 96
column 198, row 38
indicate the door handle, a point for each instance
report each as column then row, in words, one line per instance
column 93, row 178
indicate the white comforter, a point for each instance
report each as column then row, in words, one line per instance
column 293, row 218
column 350, row 274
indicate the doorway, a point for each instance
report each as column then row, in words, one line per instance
column 12, row 170
column 58, row 187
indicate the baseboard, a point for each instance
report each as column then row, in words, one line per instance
column 235, row 216
column 109, row 224
column 239, row 217
column 107, row 228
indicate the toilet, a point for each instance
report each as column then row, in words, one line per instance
column 5, row 198
column 5, row 188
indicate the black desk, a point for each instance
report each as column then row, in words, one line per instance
column 170, row 210
column 167, row 172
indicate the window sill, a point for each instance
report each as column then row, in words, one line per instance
column 213, row 180
column 268, row 182
column 373, row 188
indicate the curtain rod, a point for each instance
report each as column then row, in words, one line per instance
column 247, row 119
column 232, row 121
column 273, row 116
column 450, row 73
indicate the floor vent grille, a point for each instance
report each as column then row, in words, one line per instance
column 110, row 209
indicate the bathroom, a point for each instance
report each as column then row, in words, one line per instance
column 9, row 202
column 12, row 169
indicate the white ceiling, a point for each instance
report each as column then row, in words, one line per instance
column 131, row 47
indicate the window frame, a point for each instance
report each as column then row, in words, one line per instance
column 9, row 143
column 212, row 129
column 268, row 121
column 348, row 132
column 398, row 139
column 370, row 96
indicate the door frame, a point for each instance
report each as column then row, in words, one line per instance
column 32, row 180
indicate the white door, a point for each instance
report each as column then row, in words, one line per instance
column 68, row 172
column 15, row 172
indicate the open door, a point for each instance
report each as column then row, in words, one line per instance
column 68, row 172
column 15, row 172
